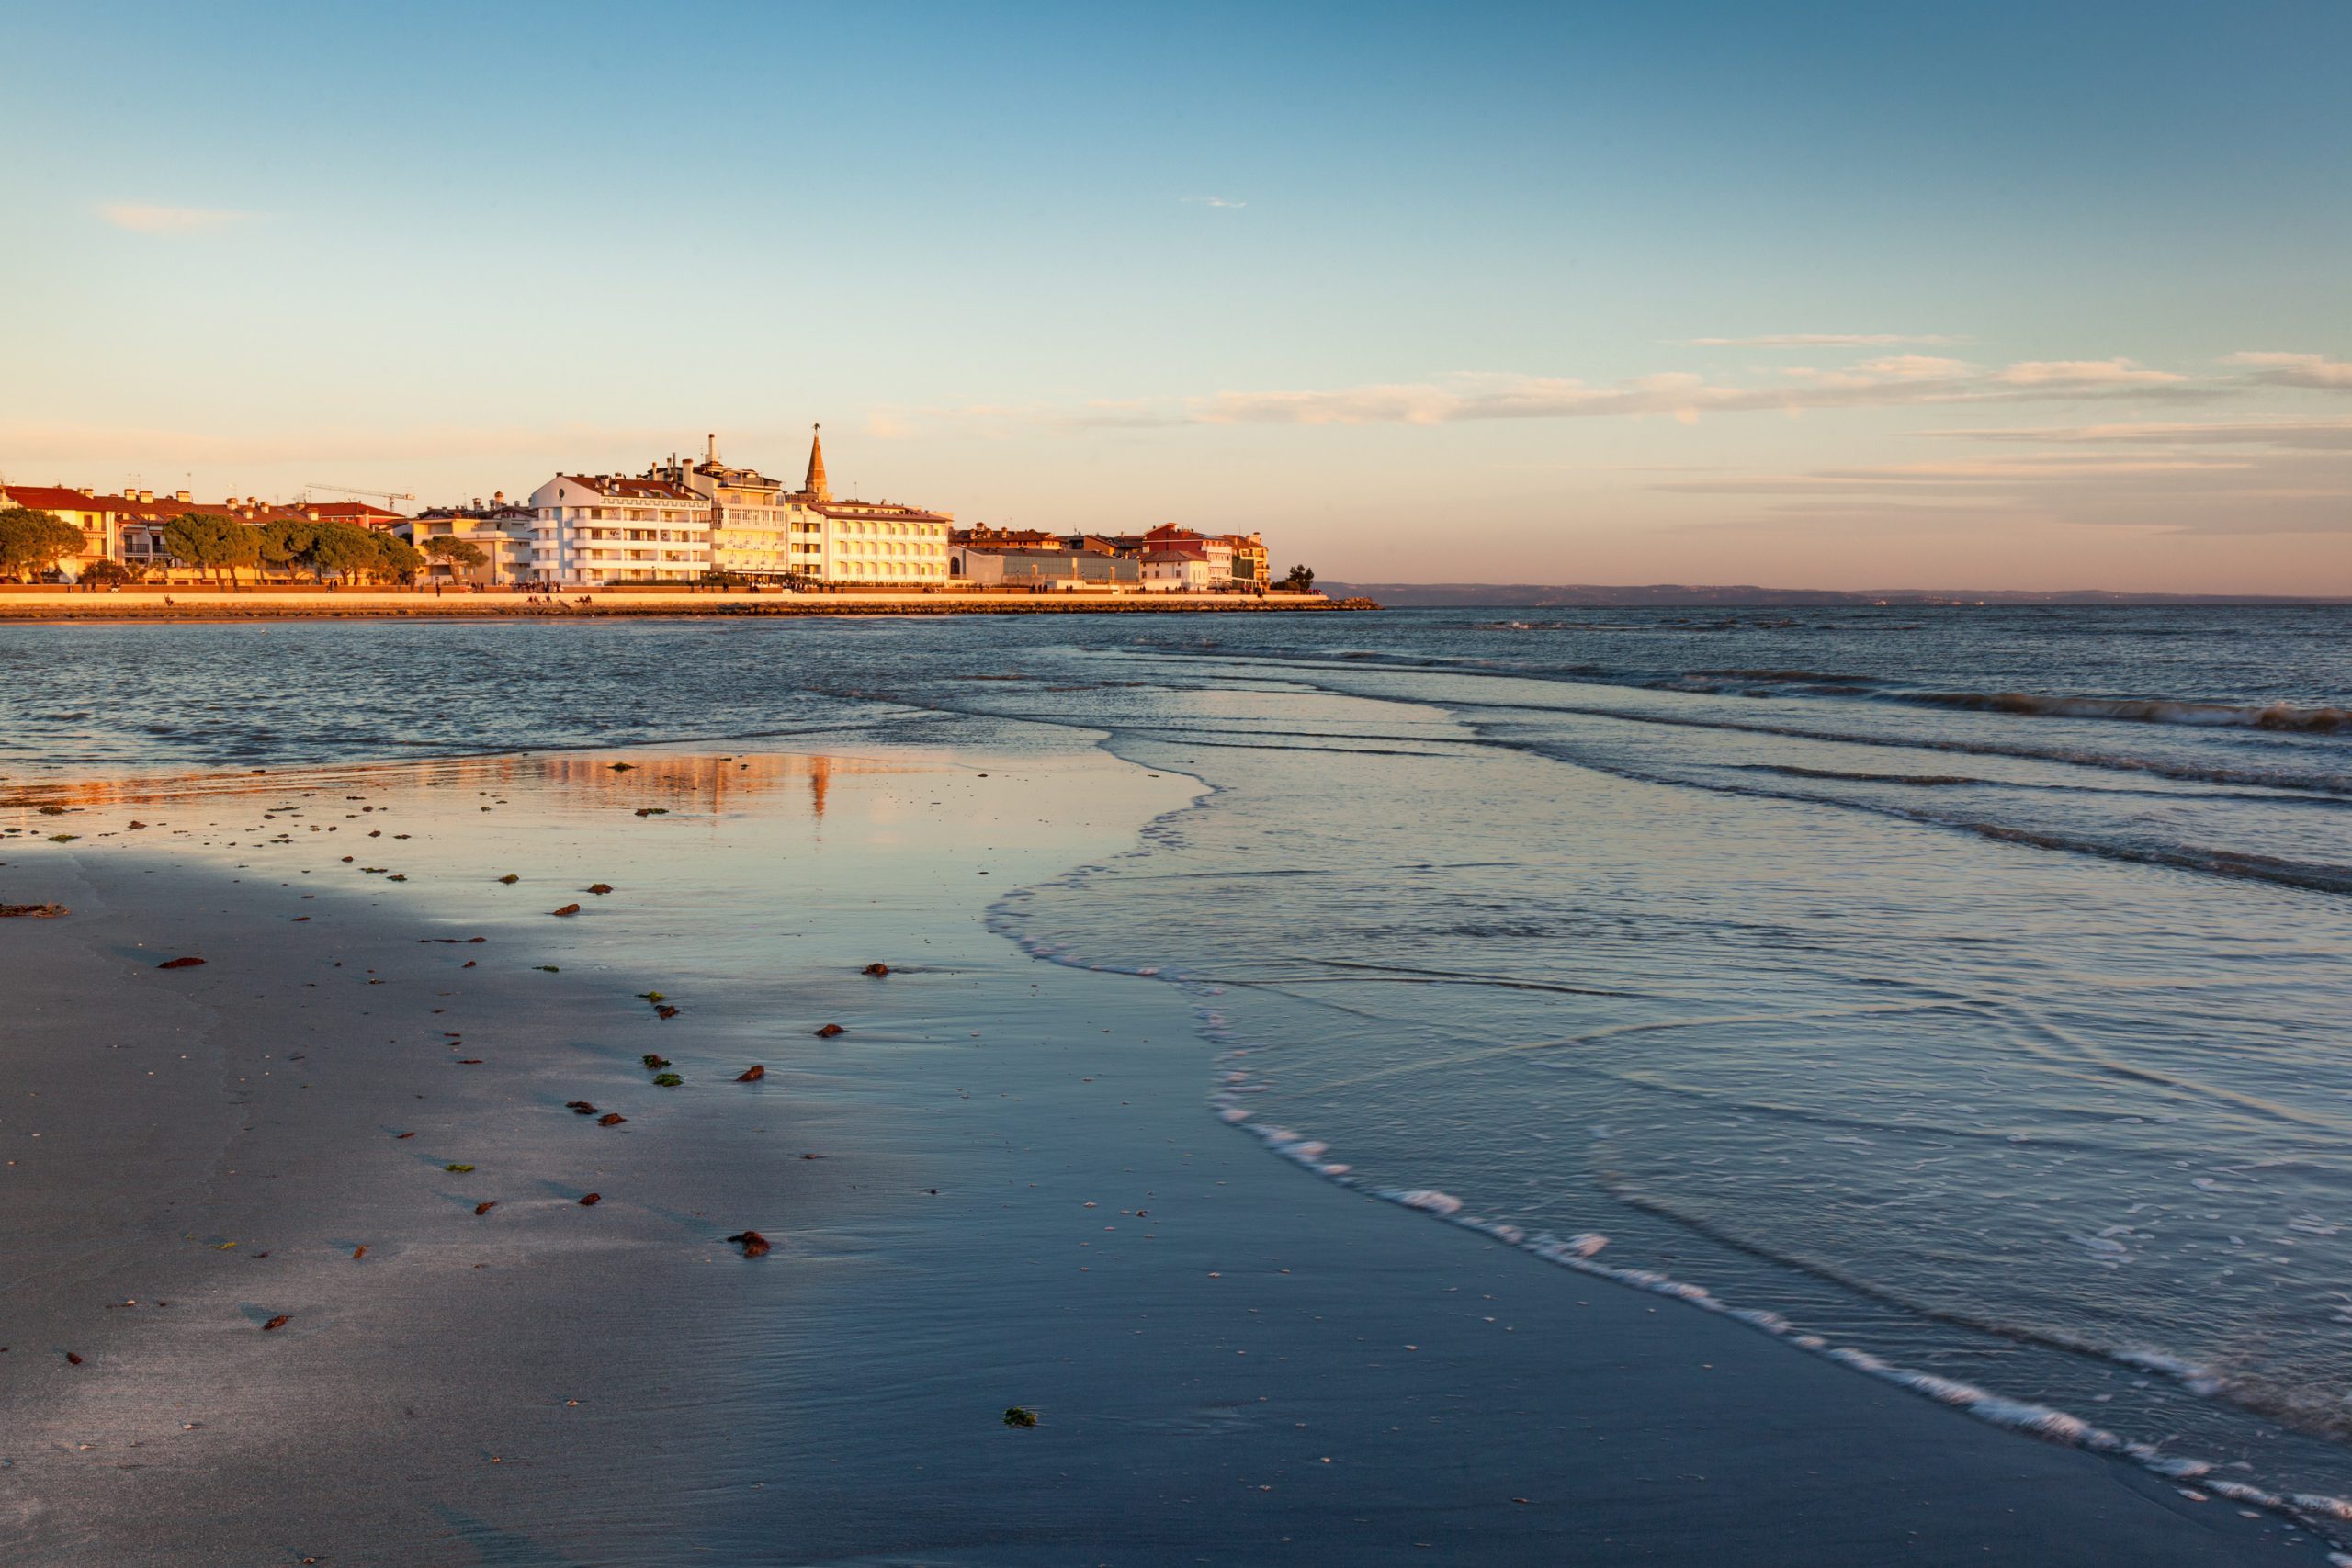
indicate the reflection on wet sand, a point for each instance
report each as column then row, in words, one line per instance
column 709, row 784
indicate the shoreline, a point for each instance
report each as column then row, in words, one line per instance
column 1022, row 1196
column 212, row 605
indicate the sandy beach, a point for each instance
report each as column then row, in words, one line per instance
column 1001, row 1186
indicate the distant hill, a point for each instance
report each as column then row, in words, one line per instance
column 1529, row 595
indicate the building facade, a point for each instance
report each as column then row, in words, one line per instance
column 591, row 529
column 1016, row 566
column 866, row 542
column 1181, row 561
column 128, row 528
column 501, row 529
column 97, row 516
column 754, row 521
column 1250, row 564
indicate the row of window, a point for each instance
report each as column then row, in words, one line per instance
column 624, row 514
column 879, row 568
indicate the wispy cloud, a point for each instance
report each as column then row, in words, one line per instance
column 2086, row 373
column 1960, row 474
column 1214, row 201
column 2300, row 435
column 141, row 219
column 2313, row 370
column 1898, row 380
column 1824, row 340
column 2234, row 494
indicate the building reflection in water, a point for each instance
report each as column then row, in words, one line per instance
column 705, row 785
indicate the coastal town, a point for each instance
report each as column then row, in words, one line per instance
column 681, row 524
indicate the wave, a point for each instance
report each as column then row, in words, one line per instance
column 2327, row 783
column 2326, row 720
column 1924, row 781
column 2315, row 876
column 2286, row 719
column 2324, row 1515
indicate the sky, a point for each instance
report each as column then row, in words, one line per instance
column 1855, row 296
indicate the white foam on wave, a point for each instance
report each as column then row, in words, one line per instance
column 1444, row 1204
column 2312, row 1510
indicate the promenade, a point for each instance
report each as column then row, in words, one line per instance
column 188, row 603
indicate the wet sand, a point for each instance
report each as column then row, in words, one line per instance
column 1019, row 1197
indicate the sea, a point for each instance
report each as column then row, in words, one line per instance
column 1963, row 993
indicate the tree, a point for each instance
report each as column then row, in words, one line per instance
column 395, row 558
column 32, row 543
column 286, row 541
column 1300, row 580
column 455, row 552
column 215, row 544
column 345, row 550
column 106, row 574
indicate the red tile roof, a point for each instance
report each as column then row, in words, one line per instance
column 57, row 498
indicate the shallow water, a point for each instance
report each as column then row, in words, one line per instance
column 1963, row 986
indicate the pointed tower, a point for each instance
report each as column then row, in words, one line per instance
column 814, row 487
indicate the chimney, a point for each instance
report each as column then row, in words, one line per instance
column 713, row 439
column 180, row 495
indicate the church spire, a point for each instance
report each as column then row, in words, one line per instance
column 814, row 487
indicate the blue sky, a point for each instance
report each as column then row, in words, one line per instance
column 1996, row 295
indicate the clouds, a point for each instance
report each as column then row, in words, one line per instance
column 1214, row 201
column 2080, row 373
column 2309, row 435
column 1883, row 381
column 1890, row 381
column 1824, row 340
column 2278, row 475
column 2310, row 370
column 141, row 219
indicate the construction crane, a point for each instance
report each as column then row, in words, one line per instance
column 386, row 496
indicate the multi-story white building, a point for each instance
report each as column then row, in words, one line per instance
column 875, row 541
column 864, row 541
column 751, row 516
column 599, row 528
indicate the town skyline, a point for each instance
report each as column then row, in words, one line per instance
column 1700, row 295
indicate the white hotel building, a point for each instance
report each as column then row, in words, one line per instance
column 590, row 529
column 678, row 523
column 864, row 541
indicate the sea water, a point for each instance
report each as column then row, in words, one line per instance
column 1958, row 991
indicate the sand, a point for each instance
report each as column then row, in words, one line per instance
column 1019, row 1197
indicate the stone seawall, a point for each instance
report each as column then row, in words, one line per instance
column 213, row 606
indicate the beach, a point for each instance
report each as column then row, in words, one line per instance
column 1001, row 1186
